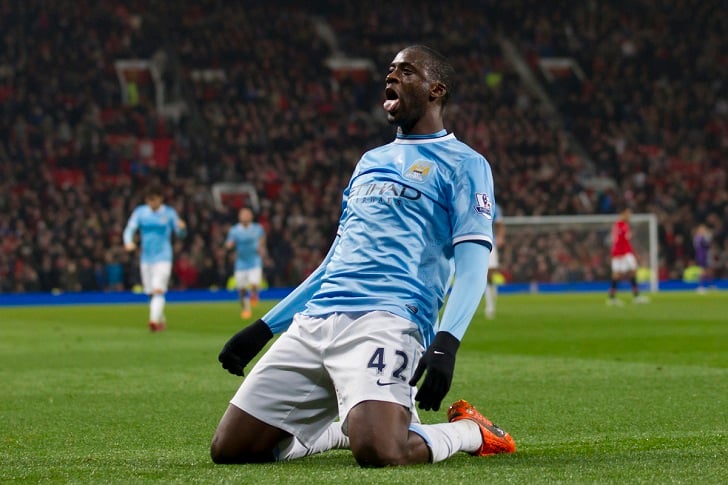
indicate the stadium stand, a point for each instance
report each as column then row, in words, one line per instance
column 639, row 104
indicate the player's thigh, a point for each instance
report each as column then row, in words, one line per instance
column 618, row 266
column 493, row 261
column 160, row 274
column 373, row 359
column 145, row 271
column 255, row 276
column 289, row 388
column 630, row 262
column 241, row 279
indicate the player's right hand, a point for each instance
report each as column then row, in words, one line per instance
column 130, row 246
column 243, row 346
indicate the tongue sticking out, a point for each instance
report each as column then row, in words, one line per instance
column 390, row 105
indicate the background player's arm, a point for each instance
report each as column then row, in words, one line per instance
column 131, row 227
column 500, row 232
column 262, row 247
column 180, row 226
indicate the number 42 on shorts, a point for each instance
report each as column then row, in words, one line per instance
column 377, row 361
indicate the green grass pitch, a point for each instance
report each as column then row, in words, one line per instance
column 591, row 394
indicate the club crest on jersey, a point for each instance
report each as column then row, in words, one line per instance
column 419, row 170
column 483, row 206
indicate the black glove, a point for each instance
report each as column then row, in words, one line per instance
column 439, row 360
column 243, row 346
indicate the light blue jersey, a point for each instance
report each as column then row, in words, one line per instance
column 247, row 241
column 408, row 203
column 156, row 228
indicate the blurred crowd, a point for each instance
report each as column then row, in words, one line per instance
column 651, row 109
column 650, row 112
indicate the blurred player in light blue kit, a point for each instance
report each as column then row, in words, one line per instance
column 248, row 240
column 362, row 330
column 156, row 222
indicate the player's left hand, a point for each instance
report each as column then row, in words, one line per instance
column 439, row 361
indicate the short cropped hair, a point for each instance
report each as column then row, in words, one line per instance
column 439, row 69
column 153, row 190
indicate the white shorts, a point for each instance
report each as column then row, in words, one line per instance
column 624, row 264
column 493, row 261
column 320, row 368
column 248, row 277
column 155, row 276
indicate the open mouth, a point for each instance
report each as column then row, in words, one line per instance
column 391, row 103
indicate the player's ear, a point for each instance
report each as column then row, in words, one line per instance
column 437, row 90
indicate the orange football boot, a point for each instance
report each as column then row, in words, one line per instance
column 245, row 314
column 495, row 439
column 157, row 327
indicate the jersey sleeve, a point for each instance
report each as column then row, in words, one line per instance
column 131, row 226
column 470, row 280
column 230, row 235
column 174, row 218
column 472, row 202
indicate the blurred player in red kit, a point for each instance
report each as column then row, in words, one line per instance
column 624, row 262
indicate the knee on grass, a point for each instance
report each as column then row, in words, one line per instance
column 226, row 455
column 380, row 454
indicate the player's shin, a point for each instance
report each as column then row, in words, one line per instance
column 490, row 295
column 156, row 308
column 446, row 439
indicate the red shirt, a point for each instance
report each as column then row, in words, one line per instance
column 621, row 234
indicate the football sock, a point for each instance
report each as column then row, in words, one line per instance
column 613, row 289
column 490, row 293
column 156, row 309
column 331, row 439
column 635, row 288
column 446, row 439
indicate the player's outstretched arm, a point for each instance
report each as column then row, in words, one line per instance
column 131, row 227
column 244, row 345
column 180, row 226
column 279, row 318
column 439, row 358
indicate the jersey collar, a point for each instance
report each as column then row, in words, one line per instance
column 419, row 139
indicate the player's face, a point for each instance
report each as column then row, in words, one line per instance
column 245, row 216
column 407, row 89
column 154, row 202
